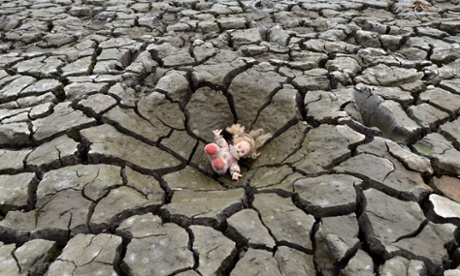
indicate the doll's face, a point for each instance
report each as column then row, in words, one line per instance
column 242, row 148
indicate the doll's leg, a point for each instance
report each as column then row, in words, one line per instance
column 219, row 166
column 212, row 150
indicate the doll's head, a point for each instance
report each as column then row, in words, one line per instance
column 246, row 144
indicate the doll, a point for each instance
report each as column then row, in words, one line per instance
column 244, row 145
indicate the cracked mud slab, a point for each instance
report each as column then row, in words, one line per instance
column 106, row 107
column 155, row 248
column 88, row 254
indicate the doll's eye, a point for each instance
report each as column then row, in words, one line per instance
column 239, row 146
column 242, row 151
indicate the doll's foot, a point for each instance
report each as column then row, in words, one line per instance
column 218, row 165
column 211, row 149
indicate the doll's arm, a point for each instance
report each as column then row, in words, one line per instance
column 220, row 141
column 236, row 175
column 235, row 171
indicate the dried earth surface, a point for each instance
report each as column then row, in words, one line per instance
column 106, row 106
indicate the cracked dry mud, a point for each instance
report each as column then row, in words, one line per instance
column 105, row 108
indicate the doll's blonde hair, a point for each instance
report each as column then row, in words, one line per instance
column 255, row 138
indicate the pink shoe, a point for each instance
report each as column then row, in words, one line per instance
column 218, row 165
column 211, row 149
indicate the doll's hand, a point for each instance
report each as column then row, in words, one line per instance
column 217, row 133
column 236, row 175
